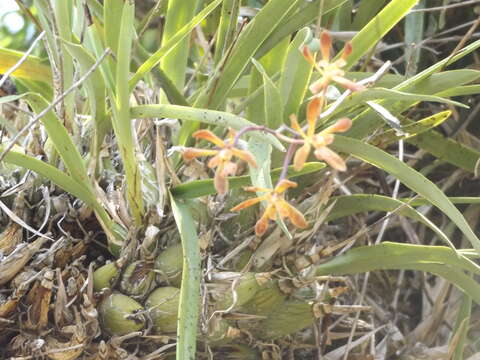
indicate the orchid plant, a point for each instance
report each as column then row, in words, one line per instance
column 307, row 137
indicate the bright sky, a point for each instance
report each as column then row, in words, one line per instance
column 13, row 21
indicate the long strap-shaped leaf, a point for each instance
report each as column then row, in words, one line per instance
column 198, row 188
column 352, row 204
column 376, row 29
column 408, row 176
column 211, row 117
column 438, row 260
column 179, row 14
column 189, row 306
column 31, row 69
column 247, row 44
column 422, row 83
column 61, row 139
column 297, row 18
column 170, row 45
column 121, row 111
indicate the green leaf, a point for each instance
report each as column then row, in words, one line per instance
column 226, row 28
column 211, row 117
column 365, row 11
column 258, row 97
column 409, row 177
column 59, row 178
column 295, row 75
column 439, row 260
column 256, row 32
column 300, row 16
column 95, row 89
column 189, row 306
column 438, row 66
column 61, row 139
column 447, row 150
column 460, row 91
column 63, row 22
column 351, row 204
column 376, row 29
column 361, row 97
column 174, row 41
column 197, row 188
column 174, row 63
column 31, row 69
column 412, row 129
column 458, row 341
column 112, row 12
column 9, row 98
column 365, row 123
column 414, row 34
column 121, row 114
column 272, row 101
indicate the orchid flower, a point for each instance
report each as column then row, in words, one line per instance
column 320, row 142
column 277, row 206
column 222, row 157
column 330, row 71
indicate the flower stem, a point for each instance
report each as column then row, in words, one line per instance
column 266, row 129
column 286, row 161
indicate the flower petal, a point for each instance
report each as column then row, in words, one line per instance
column 248, row 203
column 245, row 156
column 209, row 136
column 256, row 189
column 192, row 153
column 307, row 54
column 229, row 169
column 296, row 126
column 348, row 84
column 341, row 125
column 220, row 181
column 262, row 224
column 313, row 110
column 271, row 212
column 331, row 158
column 319, row 85
column 325, row 44
column 284, row 185
column 347, row 50
column 301, row 156
column 322, row 139
column 215, row 161
column 288, row 211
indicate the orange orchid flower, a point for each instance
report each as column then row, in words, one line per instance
column 222, row 157
column 276, row 206
column 330, row 71
column 319, row 141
